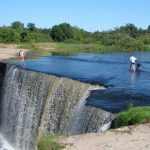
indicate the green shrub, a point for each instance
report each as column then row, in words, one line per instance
column 132, row 116
column 147, row 47
column 49, row 142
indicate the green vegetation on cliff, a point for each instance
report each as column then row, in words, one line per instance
column 49, row 142
column 135, row 115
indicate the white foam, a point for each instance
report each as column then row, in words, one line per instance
column 4, row 144
column 104, row 127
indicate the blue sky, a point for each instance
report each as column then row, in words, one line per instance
column 90, row 15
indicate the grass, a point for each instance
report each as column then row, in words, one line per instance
column 38, row 46
column 49, row 142
column 36, row 49
column 42, row 49
column 146, row 47
column 28, row 46
column 135, row 115
column 67, row 49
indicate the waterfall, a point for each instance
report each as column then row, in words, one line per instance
column 23, row 100
column 34, row 102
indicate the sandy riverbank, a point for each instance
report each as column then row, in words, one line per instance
column 9, row 52
column 127, row 138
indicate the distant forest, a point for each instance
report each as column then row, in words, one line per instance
column 126, row 37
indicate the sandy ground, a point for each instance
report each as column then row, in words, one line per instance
column 9, row 51
column 128, row 138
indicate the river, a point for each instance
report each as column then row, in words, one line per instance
column 123, row 88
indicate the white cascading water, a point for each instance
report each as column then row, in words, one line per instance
column 4, row 145
column 23, row 98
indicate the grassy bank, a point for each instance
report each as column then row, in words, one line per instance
column 37, row 49
column 68, row 48
column 49, row 142
column 135, row 115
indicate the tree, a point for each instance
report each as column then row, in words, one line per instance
column 8, row 35
column 31, row 26
column 62, row 32
column 17, row 25
column 78, row 34
column 24, row 37
column 148, row 29
column 45, row 31
column 130, row 29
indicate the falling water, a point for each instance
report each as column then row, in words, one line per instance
column 34, row 102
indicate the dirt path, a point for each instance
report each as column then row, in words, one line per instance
column 128, row 138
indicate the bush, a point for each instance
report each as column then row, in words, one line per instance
column 49, row 142
column 8, row 36
column 132, row 116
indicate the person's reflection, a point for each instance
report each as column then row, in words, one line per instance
column 132, row 77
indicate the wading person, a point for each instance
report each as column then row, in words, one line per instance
column 133, row 61
column 21, row 57
column 139, row 67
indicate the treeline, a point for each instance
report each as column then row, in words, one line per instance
column 127, row 37
column 17, row 33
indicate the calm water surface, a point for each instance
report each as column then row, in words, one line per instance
column 112, row 70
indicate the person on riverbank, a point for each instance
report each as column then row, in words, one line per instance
column 21, row 57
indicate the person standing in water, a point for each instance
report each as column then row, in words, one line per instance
column 21, row 57
column 133, row 61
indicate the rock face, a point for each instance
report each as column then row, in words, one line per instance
column 34, row 102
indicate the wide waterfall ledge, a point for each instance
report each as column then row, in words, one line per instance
column 33, row 103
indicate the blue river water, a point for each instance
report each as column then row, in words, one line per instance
column 123, row 88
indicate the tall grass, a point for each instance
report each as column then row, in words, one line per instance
column 66, row 49
column 36, row 50
column 38, row 46
column 132, row 116
column 147, row 47
column 71, row 48
column 31, row 46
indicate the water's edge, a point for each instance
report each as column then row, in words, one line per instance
column 32, row 103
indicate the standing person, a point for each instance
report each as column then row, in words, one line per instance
column 21, row 57
column 133, row 61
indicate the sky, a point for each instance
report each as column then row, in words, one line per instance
column 90, row 15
